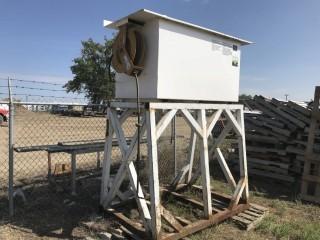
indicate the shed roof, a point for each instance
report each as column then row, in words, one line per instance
column 145, row 15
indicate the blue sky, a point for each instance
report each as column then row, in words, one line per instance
column 39, row 38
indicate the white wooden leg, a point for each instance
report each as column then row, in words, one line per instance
column 205, row 165
column 155, row 205
column 107, row 158
column 242, row 153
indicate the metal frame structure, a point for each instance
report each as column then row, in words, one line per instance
column 149, row 205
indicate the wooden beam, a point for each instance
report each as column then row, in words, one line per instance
column 237, row 193
column 140, row 199
column 213, row 120
column 106, row 165
column 191, row 152
column 225, row 168
column 243, row 153
column 171, row 219
column 155, row 204
column 204, row 159
column 234, row 122
column 163, row 123
column 192, row 122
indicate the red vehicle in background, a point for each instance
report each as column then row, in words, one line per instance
column 4, row 113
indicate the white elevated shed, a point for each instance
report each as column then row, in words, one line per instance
column 183, row 61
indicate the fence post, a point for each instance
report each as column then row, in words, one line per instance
column 11, row 160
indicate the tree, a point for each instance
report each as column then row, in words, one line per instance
column 245, row 96
column 92, row 74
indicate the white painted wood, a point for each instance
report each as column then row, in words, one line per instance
column 237, row 193
column 193, row 106
column 106, row 165
column 140, row 199
column 234, row 122
column 154, row 190
column 220, row 138
column 204, row 159
column 171, row 72
column 127, row 157
column 125, row 115
column 213, row 121
column 164, row 121
column 225, row 168
column 192, row 122
column 118, row 130
column 243, row 153
column 192, row 149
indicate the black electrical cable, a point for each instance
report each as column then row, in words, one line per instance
column 138, row 125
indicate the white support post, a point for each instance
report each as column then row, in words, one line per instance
column 243, row 153
column 106, row 163
column 155, row 204
column 205, row 173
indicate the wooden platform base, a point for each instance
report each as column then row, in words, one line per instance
column 178, row 227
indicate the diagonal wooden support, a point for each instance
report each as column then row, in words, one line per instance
column 213, row 121
column 192, row 122
column 204, row 158
column 221, row 138
column 118, row 130
column 163, row 123
column 226, row 171
column 192, row 149
column 126, row 158
column 234, row 122
column 140, row 199
column 237, row 193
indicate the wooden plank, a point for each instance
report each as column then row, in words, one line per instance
column 225, row 168
column 213, row 120
column 242, row 156
column 191, row 152
column 204, row 160
column 140, row 199
column 180, row 176
column 163, row 123
column 106, row 165
column 234, row 122
column 154, row 190
column 132, row 225
column 171, row 219
column 192, row 122
column 299, row 108
column 237, row 193
column 202, row 224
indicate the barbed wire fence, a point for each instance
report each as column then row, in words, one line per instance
column 50, row 131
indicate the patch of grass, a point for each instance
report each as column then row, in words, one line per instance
column 284, row 229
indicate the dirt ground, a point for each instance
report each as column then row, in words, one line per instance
column 50, row 212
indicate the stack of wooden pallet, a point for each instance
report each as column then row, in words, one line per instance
column 276, row 135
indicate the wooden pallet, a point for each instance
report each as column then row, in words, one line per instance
column 310, row 188
column 250, row 218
